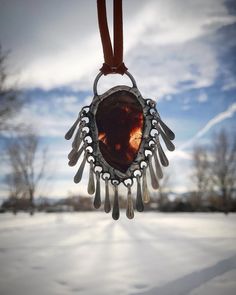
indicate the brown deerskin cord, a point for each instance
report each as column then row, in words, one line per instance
column 113, row 62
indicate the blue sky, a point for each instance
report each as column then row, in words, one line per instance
column 182, row 53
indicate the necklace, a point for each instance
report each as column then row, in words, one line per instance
column 119, row 132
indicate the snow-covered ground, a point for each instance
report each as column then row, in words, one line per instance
column 89, row 253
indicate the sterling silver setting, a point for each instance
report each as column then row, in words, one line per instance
column 86, row 141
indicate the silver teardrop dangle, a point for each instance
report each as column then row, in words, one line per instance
column 166, row 129
column 139, row 200
column 130, row 206
column 154, row 180
column 116, row 209
column 91, row 183
column 157, row 165
column 71, row 131
column 97, row 198
column 169, row 145
column 78, row 139
column 78, row 175
column 107, row 203
column 162, row 156
column 71, row 154
column 146, row 196
column 74, row 157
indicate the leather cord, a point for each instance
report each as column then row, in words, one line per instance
column 113, row 59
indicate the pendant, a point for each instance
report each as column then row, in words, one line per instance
column 119, row 135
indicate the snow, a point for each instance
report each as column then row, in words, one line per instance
column 90, row 254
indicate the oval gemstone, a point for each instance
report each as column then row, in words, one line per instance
column 119, row 120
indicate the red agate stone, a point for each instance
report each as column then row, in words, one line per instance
column 119, row 119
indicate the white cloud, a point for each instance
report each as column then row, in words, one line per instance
column 181, row 159
column 52, row 118
column 171, row 69
column 202, row 97
column 161, row 43
column 229, row 113
column 217, row 119
column 229, row 84
column 167, row 49
column 186, row 107
column 168, row 97
column 178, row 153
column 181, row 21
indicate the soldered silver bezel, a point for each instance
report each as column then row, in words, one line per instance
column 115, row 174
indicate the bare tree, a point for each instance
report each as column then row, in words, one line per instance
column 224, row 166
column 15, row 184
column 27, row 166
column 164, row 186
column 11, row 99
column 201, row 174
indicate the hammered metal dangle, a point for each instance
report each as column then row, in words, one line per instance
column 120, row 134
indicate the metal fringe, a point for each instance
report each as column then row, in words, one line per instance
column 139, row 201
column 169, row 145
column 130, row 207
column 166, row 129
column 78, row 175
column 116, row 209
column 154, row 180
column 75, row 156
column 157, row 165
column 146, row 196
column 97, row 198
column 107, row 203
column 162, row 156
column 71, row 131
column 91, row 183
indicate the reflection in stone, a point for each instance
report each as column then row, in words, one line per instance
column 119, row 120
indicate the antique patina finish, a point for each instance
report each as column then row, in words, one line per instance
column 119, row 133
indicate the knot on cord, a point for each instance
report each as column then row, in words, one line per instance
column 107, row 69
column 113, row 57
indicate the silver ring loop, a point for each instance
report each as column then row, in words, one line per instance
column 100, row 74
